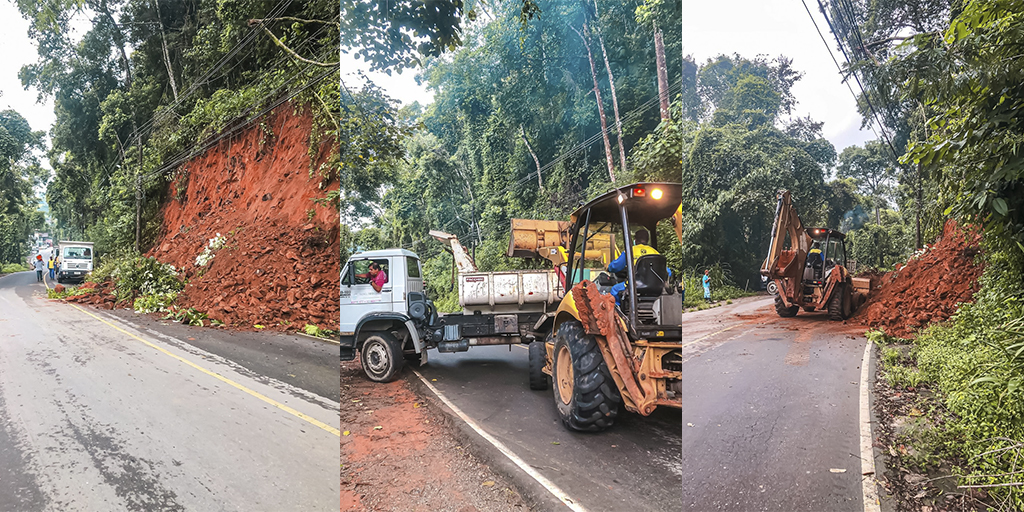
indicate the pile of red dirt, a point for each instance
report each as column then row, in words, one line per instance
column 928, row 287
column 100, row 295
column 278, row 266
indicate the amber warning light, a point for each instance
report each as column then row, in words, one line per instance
column 656, row 194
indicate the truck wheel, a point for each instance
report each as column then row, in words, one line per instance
column 585, row 394
column 773, row 288
column 782, row 310
column 836, row 305
column 381, row 357
column 538, row 379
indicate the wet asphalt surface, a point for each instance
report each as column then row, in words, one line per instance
column 635, row 465
column 771, row 413
column 769, row 419
column 94, row 419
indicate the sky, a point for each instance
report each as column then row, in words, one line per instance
column 773, row 28
column 401, row 87
column 19, row 50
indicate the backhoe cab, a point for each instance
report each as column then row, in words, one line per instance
column 809, row 267
column 600, row 356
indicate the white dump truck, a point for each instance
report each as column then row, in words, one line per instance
column 76, row 261
column 498, row 308
column 602, row 337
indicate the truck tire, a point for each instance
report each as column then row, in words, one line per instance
column 782, row 310
column 838, row 306
column 586, row 397
column 381, row 357
column 772, row 288
column 538, row 355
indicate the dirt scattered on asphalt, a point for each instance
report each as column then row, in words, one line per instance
column 928, row 287
column 279, row 263
column 400, row 452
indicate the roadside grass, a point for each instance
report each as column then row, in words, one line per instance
column 68, row 291
column 319, row 332
column 11, row 268
column 967, row 376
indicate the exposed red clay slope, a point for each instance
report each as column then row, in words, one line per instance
column 926, row 289
column 279, row 266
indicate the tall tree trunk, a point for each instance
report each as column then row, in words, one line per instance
column 615, row 99
column 918, row 206
column 600, row 106
column 522, row 133
column 659, row 56
column 167, row 56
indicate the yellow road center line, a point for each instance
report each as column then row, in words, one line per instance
column 268, row 400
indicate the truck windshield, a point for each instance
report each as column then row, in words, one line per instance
column 78, row 253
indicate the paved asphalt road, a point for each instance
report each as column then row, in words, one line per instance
column 107, row 416
column 769, row 419
column 636, row 465
column 771, row 411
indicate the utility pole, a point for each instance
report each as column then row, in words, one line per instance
column 138, row 201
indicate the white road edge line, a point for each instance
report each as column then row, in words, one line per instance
column 548, row 484
column 867, row 452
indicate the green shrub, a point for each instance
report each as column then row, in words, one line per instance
column 189, row 316
column 11, row 268
column 139, row 275
column 155, row 302
column 975, row 360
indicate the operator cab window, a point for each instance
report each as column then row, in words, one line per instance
column 78, row 253
column 362, row 268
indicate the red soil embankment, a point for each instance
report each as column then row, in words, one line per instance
column 279, row 264
column 927, row 288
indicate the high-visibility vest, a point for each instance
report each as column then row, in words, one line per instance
column 50, row 265
column 642, row 250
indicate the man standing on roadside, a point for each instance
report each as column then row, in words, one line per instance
column 39, row 266
column 50, row 265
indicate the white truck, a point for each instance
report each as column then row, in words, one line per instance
column 76, row 261
column 398, row 323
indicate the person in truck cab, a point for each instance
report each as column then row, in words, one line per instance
column 377, row 276
column 640, row 248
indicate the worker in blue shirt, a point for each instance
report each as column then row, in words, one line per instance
column 640, row 248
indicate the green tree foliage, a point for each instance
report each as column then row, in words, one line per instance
column 508, row 89
column 736, row 158
column 20, row 174
column 154, row 82
column 872, row 168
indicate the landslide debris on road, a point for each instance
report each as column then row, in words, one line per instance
column 400, row 453
column 278, row 266
column 928, row 287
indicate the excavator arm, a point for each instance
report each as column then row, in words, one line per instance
column 786, row 260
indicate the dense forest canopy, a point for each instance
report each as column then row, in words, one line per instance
column 152, row 82
column 514, row 99
column 20, row 176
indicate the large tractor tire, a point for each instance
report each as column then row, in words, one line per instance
column 538, row 354
column 840, row 304
column 381, row 357
column 585, row 394
column 783, row 310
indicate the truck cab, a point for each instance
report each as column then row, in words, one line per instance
column 76, row 261
column 362, row 304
